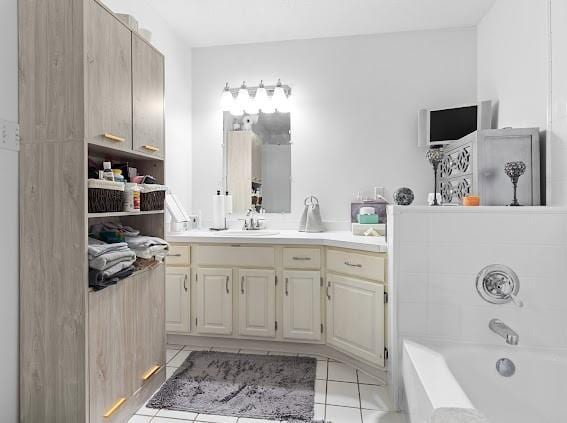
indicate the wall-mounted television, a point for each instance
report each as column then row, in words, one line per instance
column 444, row 125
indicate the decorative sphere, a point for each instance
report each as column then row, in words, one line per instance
column 515, row 169
column 403, row 196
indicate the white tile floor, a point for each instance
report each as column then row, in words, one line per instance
column 342, row 395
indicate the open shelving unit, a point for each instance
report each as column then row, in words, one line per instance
column 91, row 89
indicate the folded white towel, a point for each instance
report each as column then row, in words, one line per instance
column 97, row 248
column 457, row 415
column 111, row 258
column 141, row 242
column 156, row 252
column 111, row 271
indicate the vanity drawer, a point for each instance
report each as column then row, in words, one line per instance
column 234, row 255
column 302, row 258
column 178, row 255
column 362, row 265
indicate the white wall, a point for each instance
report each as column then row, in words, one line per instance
column 9, row 249
column 177, row 93
column 354, row 109
column 558, row 112
column 435, row 255
column 513, row 68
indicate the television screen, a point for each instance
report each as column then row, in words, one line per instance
column 452, row 124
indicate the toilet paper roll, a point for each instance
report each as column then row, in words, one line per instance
column 228, row 204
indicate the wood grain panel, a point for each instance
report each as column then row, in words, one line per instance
column 50, row 70
column 108, row 73
column 52, row 282
column 148, row 98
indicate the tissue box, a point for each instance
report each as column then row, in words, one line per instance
column 360, row 228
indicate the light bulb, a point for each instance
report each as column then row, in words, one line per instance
column 261, row 98
column 279, row 99
column 243, row 97
column 226, row 100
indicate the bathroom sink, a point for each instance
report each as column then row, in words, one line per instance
column 242, row 233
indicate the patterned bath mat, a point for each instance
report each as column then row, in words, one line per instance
column 241, row 385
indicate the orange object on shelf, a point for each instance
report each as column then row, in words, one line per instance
column 471, row 200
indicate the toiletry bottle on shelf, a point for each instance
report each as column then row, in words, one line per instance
column 107, row 171
column 131, row 197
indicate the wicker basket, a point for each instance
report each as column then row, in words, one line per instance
column 105, row 200
column 153, row 200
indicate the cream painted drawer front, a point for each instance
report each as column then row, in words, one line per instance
column 364, row 266
column 212, row 255
column 302, row 258
column 179, row 255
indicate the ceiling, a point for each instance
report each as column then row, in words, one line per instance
column 204, row 23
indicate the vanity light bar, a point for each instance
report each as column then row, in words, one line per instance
column 269, row 88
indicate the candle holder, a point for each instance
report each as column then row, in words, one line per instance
column 514, row 170
column 435, row 157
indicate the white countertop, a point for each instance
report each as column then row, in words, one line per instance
column 341, row 239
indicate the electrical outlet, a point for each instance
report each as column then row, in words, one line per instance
column 9, row 135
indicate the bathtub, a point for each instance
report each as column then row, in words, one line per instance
column 441, row 374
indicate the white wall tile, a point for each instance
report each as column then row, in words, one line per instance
column 412, row 318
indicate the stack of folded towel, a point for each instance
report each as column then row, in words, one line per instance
column 147, row 247
column 108, row 263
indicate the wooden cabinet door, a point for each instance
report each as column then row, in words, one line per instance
column 257, row 303
column 355, row 317
column 108, row 79
column 108, row 373
column 302, row 305
column 214, row 301
column 144, row 308
column 177, row 299
column 148, row 98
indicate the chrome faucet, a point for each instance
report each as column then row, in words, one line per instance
column 252, row 221
column 502, row 329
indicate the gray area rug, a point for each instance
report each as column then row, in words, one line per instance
column 242, row 385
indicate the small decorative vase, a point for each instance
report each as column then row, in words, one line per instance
column 435, row 157
column 514, row 170
column 403, row 196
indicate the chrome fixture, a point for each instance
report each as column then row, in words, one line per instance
column 505, row 367
column 252, row 221
column 502, row 329
column 253, row 100
column 498, row 284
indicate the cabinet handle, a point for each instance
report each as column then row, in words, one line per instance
column 242, row 284
column 226, row 285
column 150, row 147
column 348, row 263
column 113, row 137
column 114, row 407
column 174, row 255
column 286, row 286
column 328, row 290
column 302, row 258
column 185, row 283
column 150, row 372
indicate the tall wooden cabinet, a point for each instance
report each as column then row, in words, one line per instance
column 84, row 354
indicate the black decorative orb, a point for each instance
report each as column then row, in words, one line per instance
column 403, row 196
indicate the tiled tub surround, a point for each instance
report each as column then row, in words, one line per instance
column 343, row 394
column 435, row 255
column 443, row 374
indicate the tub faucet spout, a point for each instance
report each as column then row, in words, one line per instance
column 502, row 329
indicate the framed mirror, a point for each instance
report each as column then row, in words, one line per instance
column 257, row 161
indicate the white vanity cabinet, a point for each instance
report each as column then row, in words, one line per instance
column 355, row 317
column 214, row 301
column 177, row 299
column 302, row 305
column 257, row 303
column 246, row 294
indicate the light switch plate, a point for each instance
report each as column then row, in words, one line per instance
column 9, row 135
